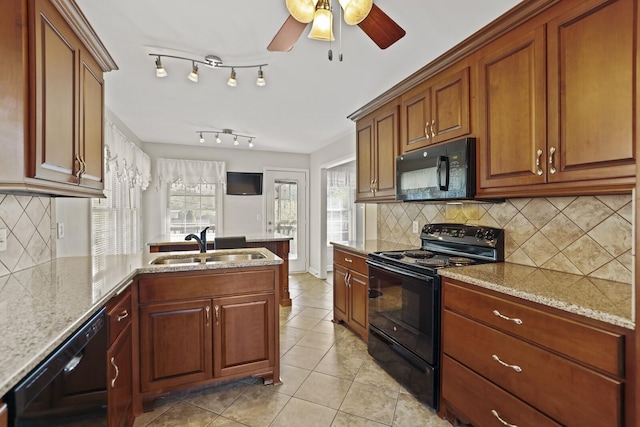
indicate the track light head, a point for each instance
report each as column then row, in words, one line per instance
column 235, row 140
column 232, row 79
column 193, row 75
column 218, row 140
column 250, row 142
column 260, row 81
column 160, row 71
column 201, row 138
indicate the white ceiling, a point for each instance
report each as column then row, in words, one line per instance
column 307, row 99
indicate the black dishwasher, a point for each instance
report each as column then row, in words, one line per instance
column 70, row 386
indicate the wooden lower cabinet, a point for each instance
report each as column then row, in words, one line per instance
column 351, row 291
column 120, row 360
column 526, row 365
column 199, row 328
column 175, row 344
column 242, row 334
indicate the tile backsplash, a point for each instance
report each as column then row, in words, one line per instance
column 31, row 231
column 586, row 235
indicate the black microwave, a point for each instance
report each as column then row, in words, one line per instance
column 444, row 171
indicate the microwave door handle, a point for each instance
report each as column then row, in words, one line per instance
column 445, row 160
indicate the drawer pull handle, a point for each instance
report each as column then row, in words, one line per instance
column 514, row 367
column 348, row 260
column 217, row 309
column 207, row 309
column 495, row 414
column 113, row 363
column 123, row 315
column 502, row 316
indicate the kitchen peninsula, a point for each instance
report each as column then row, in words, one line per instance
column 42, row 306
column 275, row 242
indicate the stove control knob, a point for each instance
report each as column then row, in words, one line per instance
column 479, row 234
column 489, row 235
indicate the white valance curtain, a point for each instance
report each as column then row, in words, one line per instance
column 189, row 172
column 342, row 175
column 122, row 156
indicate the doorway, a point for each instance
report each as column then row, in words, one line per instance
column 286, row 212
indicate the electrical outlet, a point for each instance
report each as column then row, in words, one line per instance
column 60, row 230
column 416, row 228
column 3, row 239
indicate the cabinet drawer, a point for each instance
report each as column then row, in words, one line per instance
column 564, row 390
column 177, row 286
column 119, row 314
column 597, row 347
column 350, row 260
column 477, row 398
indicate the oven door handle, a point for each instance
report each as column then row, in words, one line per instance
column 396, row 270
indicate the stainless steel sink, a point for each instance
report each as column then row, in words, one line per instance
column 206, row 258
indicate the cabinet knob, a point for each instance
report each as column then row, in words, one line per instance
column 502, row 316
column 123, row 315
column 538, row 159
column 552, row 151
column 504, row 423
column 113, row 363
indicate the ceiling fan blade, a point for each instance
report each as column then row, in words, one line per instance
column 287, row 35
column 380, row 28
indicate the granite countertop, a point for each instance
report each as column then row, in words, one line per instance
column 42, row 306
column 170, row 239
column 599, row 299
column 367, row 246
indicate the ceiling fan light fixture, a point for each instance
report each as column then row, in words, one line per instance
column 302, row 10
column 322, row 28
column 193, row 75
column 355, row 10
column 260, row 81
column 232, row 79
column 160, row 71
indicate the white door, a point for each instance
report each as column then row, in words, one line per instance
column 286, row 213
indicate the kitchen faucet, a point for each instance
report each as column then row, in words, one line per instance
column 202, row 240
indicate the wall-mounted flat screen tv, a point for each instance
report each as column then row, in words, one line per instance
column 244, row 183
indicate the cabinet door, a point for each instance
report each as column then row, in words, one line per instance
column 120, row 381
column 55, row 105
column 340, row 297
column 365, row 151
column 175, row 344
column 512, row 110
column 386, row 143
column 450, row 112
column 415, row 118
column 91, row 122
column 4, row 414
column 358, row 303
column 592, row 118
column 244, row 330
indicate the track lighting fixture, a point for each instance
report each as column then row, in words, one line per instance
column 236, row 142
column 232, row 79
column 193, row 75
column 160, row 71
column 211, row 61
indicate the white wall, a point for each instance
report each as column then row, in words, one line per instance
column 240, row 212
column 342, row 150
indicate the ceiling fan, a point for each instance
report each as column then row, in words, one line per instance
column 370, row 18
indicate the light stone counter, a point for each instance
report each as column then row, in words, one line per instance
column 42, row 306
column 598, row 299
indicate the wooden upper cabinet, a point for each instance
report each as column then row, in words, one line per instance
column 436, row 110
column 591, row 81
column 512, row 110
column 376, row 149
column 68, row 105
column 556, row 103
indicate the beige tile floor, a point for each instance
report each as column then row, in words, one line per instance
column 328, row 379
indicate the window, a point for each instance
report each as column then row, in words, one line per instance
column 342, row 215
column 191, row 207
column 191, row 195
column 115, row 220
